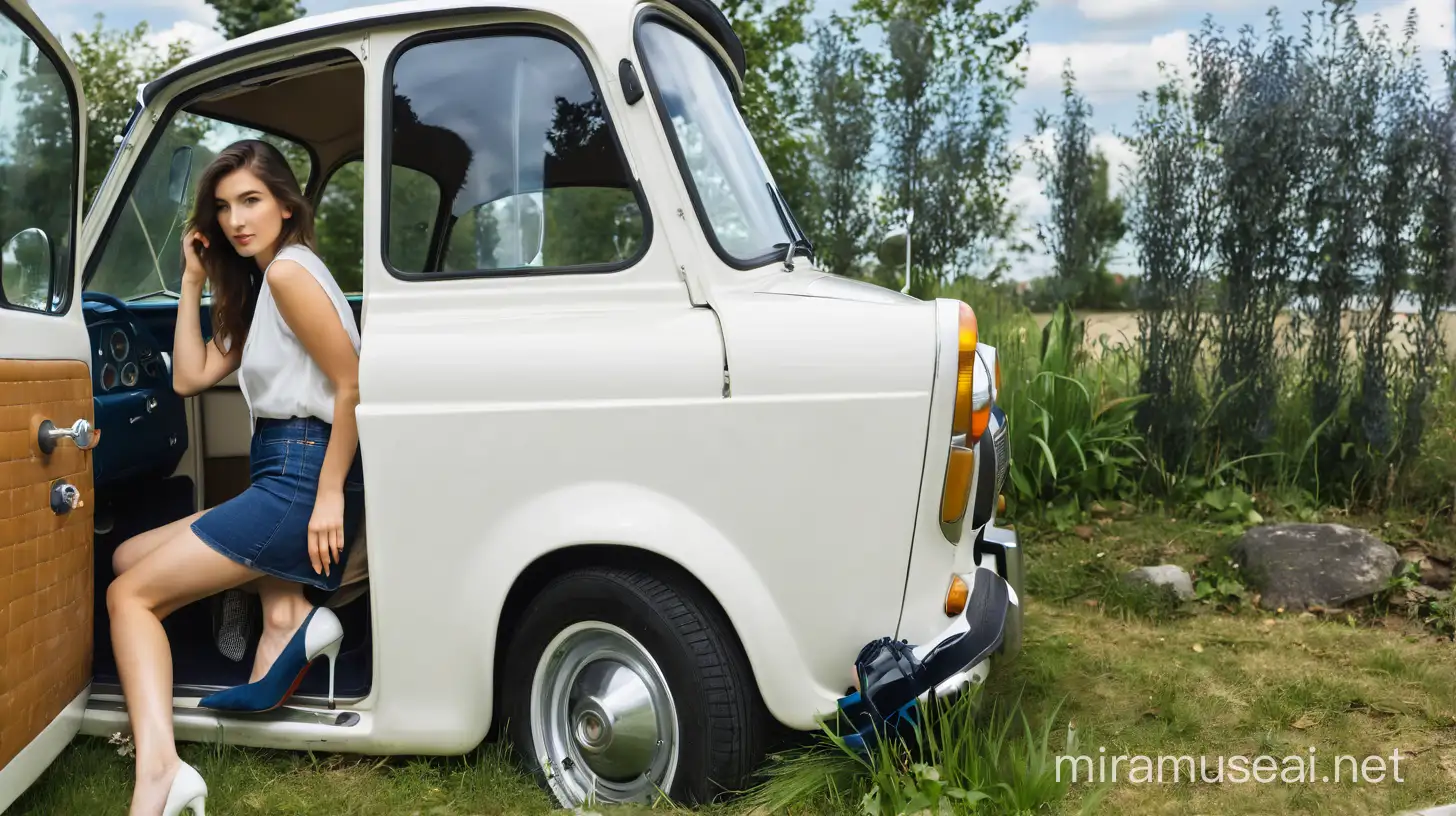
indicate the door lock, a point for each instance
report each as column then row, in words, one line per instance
column 65, row 497
column 80, row 433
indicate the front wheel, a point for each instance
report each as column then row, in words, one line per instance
column 621, row 687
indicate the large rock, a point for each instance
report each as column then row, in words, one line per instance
column 1164, row 575
column 1301, row 565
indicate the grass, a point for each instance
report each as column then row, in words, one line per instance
column 91, row 777
column 1199, row 680
column 1134, row 673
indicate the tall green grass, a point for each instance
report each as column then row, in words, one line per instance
column 1071, row 411
column 1072, row 403
column 967, row 756
column 1072, row 434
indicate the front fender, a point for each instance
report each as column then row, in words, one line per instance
column 632, row 516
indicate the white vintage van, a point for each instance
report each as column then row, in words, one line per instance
column 643, row 484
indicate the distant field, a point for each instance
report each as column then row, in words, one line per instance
column 1121, row 328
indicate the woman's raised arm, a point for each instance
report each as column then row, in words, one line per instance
column 196, row 365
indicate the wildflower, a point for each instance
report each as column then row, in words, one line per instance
column 124, row 745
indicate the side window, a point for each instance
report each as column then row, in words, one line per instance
column 339, row 224
column 143, row 252
column 526, row 163
column 414, row 201
column 37, row 176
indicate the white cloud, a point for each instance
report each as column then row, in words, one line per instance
column 1121, row 158
column 1107, row 69
column 197, row 11
column 65, row 17
column 1434, row 23
column 1131, row 10
column 202, row 37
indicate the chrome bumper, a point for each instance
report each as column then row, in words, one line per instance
column 1003, row 545
column 892, row 675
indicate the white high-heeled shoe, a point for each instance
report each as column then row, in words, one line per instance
column 188, row 791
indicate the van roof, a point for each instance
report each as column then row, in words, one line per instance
column 704, row 12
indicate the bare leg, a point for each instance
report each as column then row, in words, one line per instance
column 137, row 547
column 284, row 608
column 174, row 574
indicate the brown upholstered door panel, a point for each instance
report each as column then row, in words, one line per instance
column 45, row 558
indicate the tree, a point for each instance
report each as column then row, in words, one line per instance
column 238, row 17
column 1396, row 160
column 1086, row 222
column 1264, row 132
column 1174, row 215
column 842, row 111
column 37, row 175
column 948, row 82
column 1433, row 272
column 1343, row 83
column 113, row 64
column 772, row 104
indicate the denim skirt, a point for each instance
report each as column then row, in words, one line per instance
column 266, row 526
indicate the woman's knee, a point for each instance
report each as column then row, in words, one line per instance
column 120, row 594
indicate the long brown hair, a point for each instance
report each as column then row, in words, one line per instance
column 233, row 279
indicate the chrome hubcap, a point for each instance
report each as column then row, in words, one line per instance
column 602, row 718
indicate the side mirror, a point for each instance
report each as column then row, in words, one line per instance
column 180, row 174
column 523, row 230
column 893, row 246
column 26, row 269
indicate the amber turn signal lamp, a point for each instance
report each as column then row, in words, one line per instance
column 969, row 337
column 955, row 598
column 979, row 421
column 1001, row 504
column 957, row 493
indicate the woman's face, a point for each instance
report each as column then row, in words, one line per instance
column 248, row 214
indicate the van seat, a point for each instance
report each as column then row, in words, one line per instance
column 356, row 572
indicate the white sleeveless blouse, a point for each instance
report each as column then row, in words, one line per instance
column 278, row 377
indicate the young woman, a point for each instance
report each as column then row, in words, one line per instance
column 283, row 324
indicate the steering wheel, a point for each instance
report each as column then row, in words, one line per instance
column 103, row 297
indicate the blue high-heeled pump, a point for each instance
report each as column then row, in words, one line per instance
column 320, row 636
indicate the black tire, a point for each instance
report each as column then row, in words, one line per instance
column 713, row 694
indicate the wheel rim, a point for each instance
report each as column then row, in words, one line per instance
column 603, row 721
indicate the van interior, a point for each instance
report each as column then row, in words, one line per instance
column 164, row 457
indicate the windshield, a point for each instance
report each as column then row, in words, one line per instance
column 727, row 176
column 143, row 252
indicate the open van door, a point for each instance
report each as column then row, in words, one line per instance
column 46, row 500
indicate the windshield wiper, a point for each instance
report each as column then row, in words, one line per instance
column 796, row 240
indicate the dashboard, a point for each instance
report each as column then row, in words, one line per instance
column 142, row 420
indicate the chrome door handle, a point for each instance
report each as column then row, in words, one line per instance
column 80, row 433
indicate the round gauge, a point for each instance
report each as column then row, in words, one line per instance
column 129, row 375
column 120, row 346
column 108, row 377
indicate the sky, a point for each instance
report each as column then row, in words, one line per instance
column 1114, row 47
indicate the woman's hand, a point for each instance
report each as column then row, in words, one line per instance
column 326, row 530
column 192, row 270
